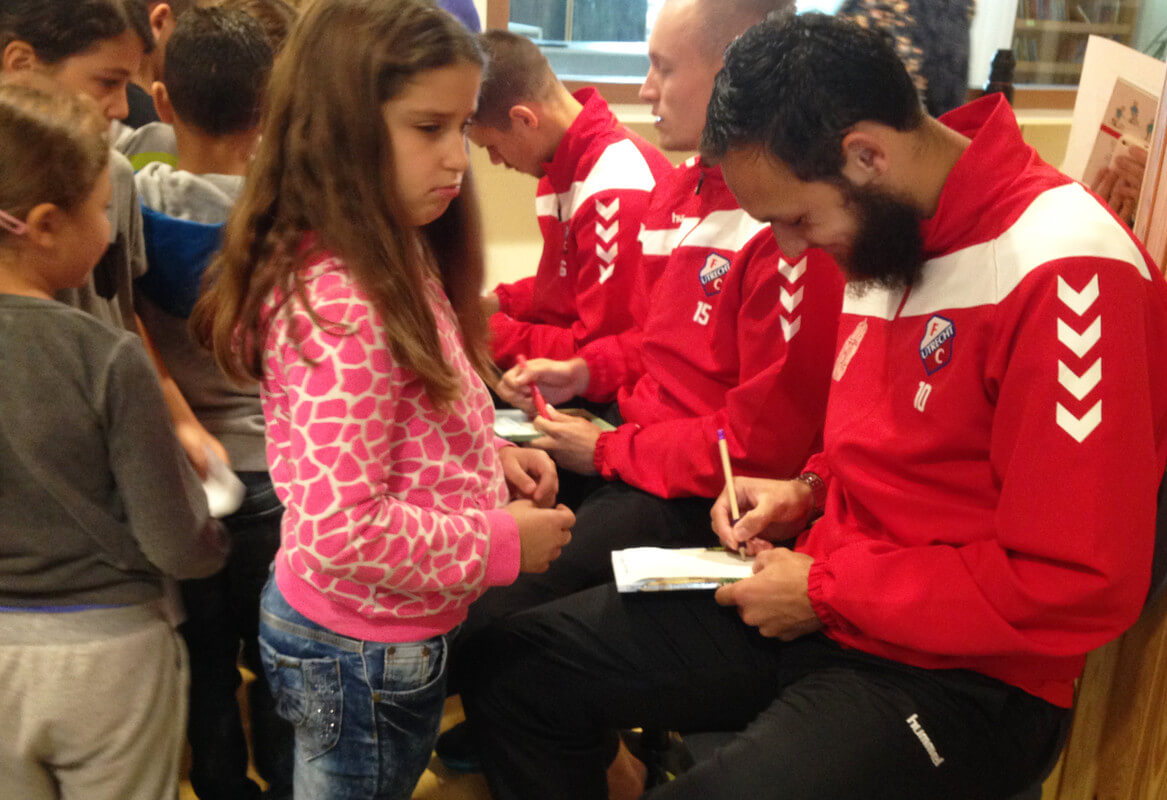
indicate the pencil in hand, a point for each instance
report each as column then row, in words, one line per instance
column 723, row 448
column 536, row 395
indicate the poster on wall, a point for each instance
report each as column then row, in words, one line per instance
column 1100, row 95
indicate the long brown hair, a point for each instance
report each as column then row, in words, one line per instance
column 325, row 166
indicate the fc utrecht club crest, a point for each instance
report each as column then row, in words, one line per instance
column 711, row 274
column 936, row 346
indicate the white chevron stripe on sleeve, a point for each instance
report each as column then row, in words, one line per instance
column 607, row 234
column 1079, row 428
column 608, row 254
column 1078, row 301
column 792, row 272
column 790, row 329
column 608, row 210
column 1080, row 343
column 790, row 301
column 1080, row 385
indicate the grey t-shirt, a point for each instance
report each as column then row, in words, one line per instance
column 97, row 500
column 230, row 412
column 109, row 293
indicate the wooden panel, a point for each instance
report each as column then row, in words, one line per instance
column 1079, row 767
column 1118, row 744
column 1132, row 762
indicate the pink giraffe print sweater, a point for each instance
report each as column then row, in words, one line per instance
column 394, row 520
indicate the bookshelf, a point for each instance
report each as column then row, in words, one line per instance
column 1049, row 37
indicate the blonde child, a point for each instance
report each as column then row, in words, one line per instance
column 98, row 500
column 348, row 285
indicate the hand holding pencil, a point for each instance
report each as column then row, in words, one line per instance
column 756, row 512
column 536, row 395
column 557, row 382
column 723, row 449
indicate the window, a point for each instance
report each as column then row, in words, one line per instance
column 604, row 41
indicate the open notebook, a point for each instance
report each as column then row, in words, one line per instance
column 657, row 569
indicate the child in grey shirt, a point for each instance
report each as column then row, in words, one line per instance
column 97, row 501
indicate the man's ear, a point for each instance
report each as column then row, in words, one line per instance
column 865, row 157
column 162, row 102
column 18, row 56
column 524, row 116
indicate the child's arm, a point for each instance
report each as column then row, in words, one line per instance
column 191, row 434
column 164, row 503
column 369, row 503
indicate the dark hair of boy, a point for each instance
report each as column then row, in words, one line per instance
column 217, row 64
column 516, row 72
column 57, row 29
column 797, row 84
column 276, row 17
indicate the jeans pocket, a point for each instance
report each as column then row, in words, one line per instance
column 414, row 666
column 308, row 694
column 409, row 710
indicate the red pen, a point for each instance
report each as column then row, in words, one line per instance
column 540, row 403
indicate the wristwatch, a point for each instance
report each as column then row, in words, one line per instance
column 818, row 490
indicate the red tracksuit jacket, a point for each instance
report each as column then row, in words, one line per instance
column 996, row 434
column 590, row 205
column 730, row 335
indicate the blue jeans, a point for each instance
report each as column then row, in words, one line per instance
column 366, row 713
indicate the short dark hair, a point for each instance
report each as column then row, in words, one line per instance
column 516, row 72
column 796, row 84
column 217, row 65
column 57, row 29
column 276, row 17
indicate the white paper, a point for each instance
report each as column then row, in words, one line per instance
column 223, row 488
column 656, row 569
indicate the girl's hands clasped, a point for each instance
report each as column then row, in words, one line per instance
column 771, row 511
column 530, row 474
column 543, row 533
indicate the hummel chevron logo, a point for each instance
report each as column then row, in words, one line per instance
column 1082, row 427
column 608, row 254
column 792, row 272
column 1080, row 343
column 790, row 329
column 606, row 272
column 607, row 234
column 1080, row 385
column 790, row 301
column 608, row 211
column 1078, row 301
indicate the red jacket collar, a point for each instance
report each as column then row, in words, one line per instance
column 594, row 119
column 993, row 181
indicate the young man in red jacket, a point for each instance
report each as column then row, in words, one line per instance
column 729, row 336
column 594, row 175
column 1003, row 354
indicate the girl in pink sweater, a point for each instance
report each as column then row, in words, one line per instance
column 348, row 285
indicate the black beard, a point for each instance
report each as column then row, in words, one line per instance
column 888, row 251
